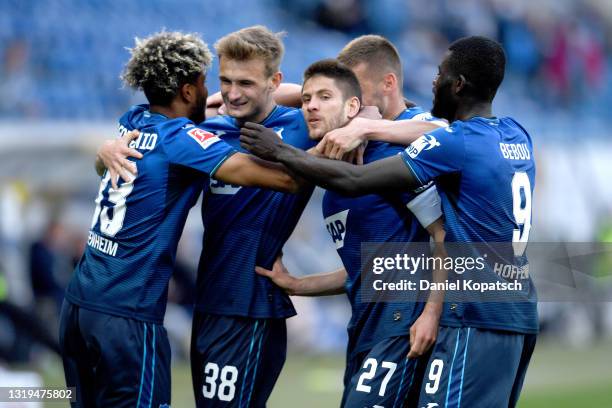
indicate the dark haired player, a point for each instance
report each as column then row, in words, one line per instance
column 483, row 349
column 381, row 334
column 114, row 347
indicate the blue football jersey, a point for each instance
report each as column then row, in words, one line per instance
column 374, row 219
column 485, row 173
column 246, row 227
column 135, row 229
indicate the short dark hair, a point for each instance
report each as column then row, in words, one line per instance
column 342, row 75
column 481, row 61
column 377, row 52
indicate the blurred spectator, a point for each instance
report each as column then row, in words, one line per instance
column 45, row 260
column 17, row 88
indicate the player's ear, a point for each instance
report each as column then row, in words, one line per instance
column 460, row 83
column 353, row 105
column 389, row 82
column 276, row 80
column 188, row 92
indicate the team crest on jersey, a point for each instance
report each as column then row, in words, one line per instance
column 425, row 116
column 279, row 131
column 336, row 226
column 204, row 138
column 425, row 142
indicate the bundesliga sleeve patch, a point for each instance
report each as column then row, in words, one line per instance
column 204, row 138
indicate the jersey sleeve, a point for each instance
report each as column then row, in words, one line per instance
column 436, row 153
column 198, row 149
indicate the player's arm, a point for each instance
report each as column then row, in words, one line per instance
column 348, row 179
column 323, row 284
column 424, row 331
column 250, row 171
column 342, row 140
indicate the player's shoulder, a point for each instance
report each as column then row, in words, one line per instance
column 415, row 112
column 290, row 125
column 454, row 130
column 140, row 117
column 154, row 124
column 219, row 123
column 284, row 116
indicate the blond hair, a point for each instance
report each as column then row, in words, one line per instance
column 253, row 42
column 163, row 62
column 378, row 53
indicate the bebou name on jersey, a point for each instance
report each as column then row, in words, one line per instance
column 515, row 151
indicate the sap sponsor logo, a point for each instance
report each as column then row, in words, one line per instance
column 515, row 151
column 204, row 138
column 336, row 226
column 432, row 405
column 219, row 187
column 425, row 142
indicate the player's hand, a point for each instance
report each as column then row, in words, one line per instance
column 114, row 154
column 356, row 156
column 260, row 140
column 338, row 142
column 215, row 102
column 280, row 276
column 423, row 333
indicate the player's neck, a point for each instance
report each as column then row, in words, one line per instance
column 168, row 111
column 261, row 116
column 470, row 110
column 395, row 108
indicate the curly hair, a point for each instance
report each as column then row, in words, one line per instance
column 165, row 61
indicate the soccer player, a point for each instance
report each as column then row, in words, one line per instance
column 485, row 173
column 114, row 347
column 381, row 334
column 239, row 336
column 239, row 333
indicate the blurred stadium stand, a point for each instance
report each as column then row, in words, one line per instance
column 62, row 58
